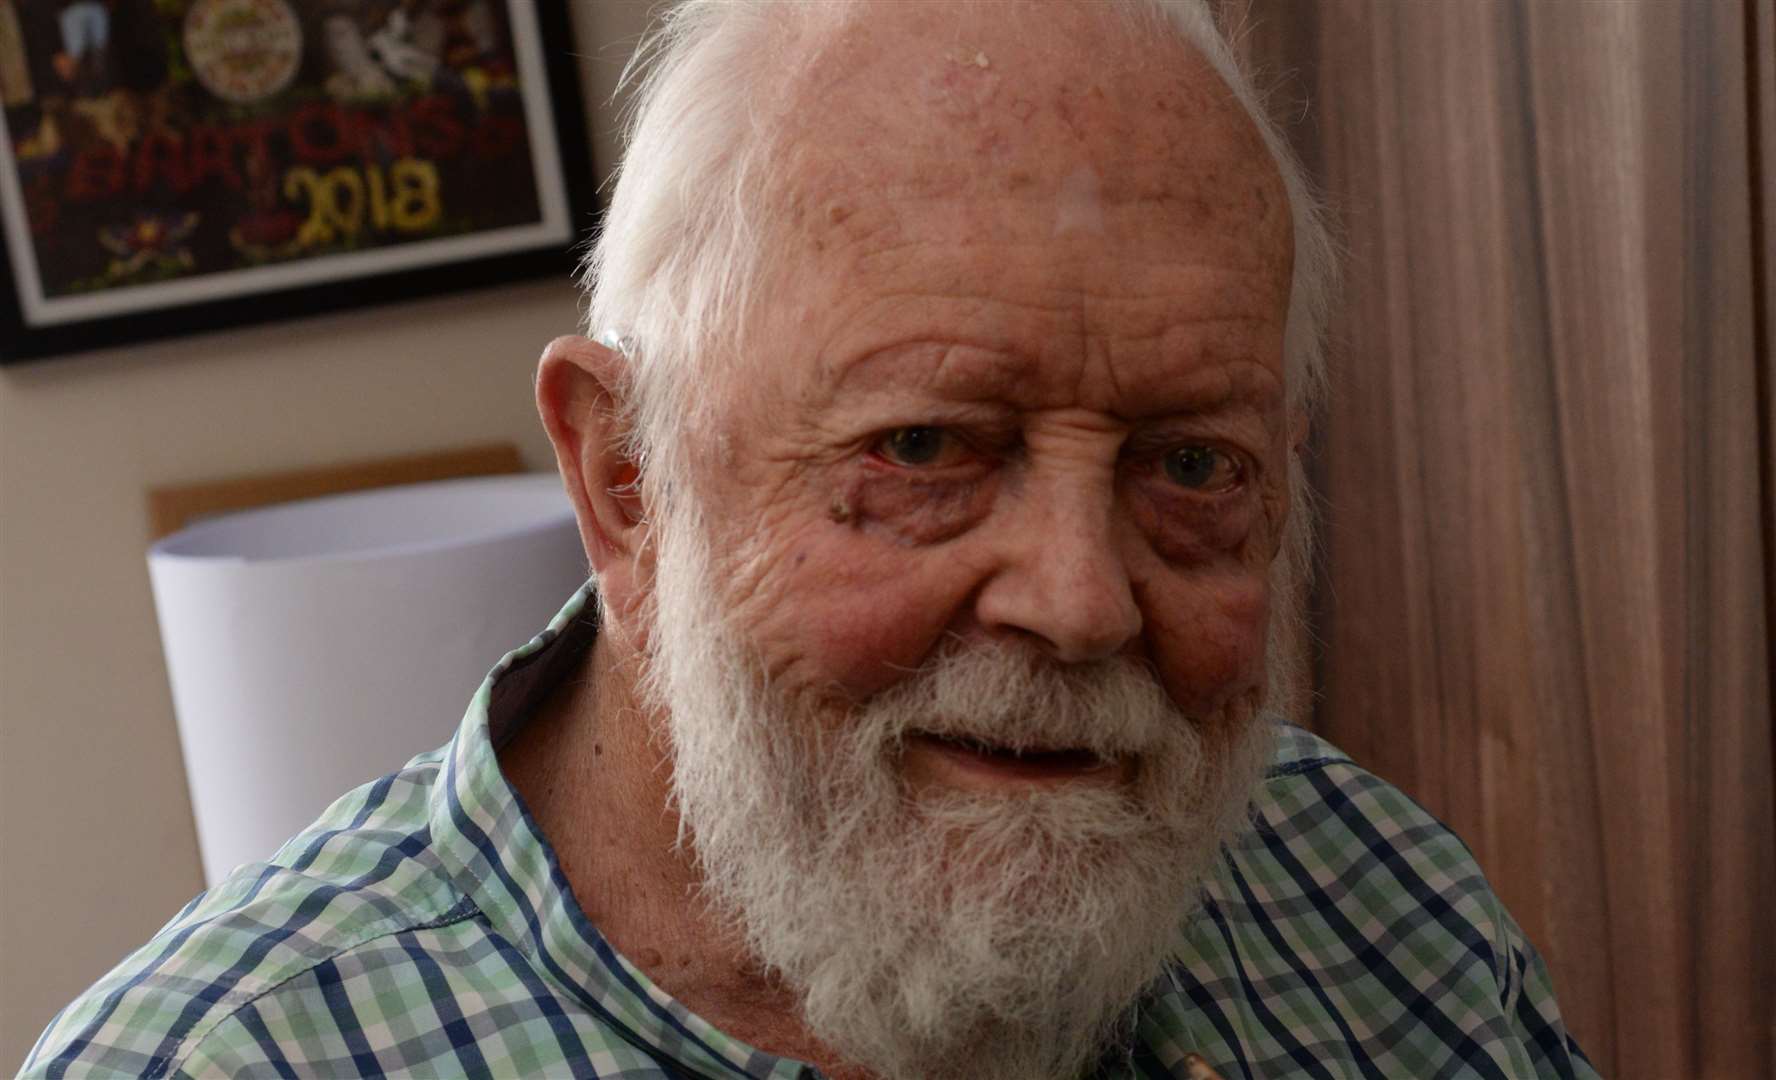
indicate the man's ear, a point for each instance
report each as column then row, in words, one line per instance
column 1300, row 427
column 578, row 388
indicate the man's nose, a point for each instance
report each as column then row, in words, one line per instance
column 1062, row 579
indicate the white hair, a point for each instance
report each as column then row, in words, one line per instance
column 673, row 273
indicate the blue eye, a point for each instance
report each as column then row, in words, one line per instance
column 919, row 445
column 1201, row 468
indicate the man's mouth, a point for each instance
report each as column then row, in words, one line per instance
column 974, row 764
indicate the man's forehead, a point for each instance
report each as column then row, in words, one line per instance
column 1007, row 84
column 1059, row 104
column 939, row 169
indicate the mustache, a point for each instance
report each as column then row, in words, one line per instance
column 1013, row 698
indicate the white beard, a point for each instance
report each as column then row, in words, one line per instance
column 948, row 934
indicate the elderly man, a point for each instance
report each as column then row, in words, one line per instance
column 936, row 466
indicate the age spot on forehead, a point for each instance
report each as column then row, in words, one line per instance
column 961, row 86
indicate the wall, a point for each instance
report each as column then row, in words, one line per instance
column 97, row 847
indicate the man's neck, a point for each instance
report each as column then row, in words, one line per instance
column 592, row 754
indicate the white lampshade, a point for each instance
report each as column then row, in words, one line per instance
column 314, row 646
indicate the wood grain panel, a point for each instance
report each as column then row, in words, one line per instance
column 1543, row 604
column 172, row 507
column 1761, row 104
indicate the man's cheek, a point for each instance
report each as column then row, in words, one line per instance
column 1208, row 642
column 764, row 556
column 858, row 629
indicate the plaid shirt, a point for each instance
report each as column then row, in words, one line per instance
column 423, row 927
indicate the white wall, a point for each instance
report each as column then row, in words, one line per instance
column 97, row 848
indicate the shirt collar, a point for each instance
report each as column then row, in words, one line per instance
column 496, row 854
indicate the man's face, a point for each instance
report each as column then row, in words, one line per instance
column 1021, row 381
column 961, row 637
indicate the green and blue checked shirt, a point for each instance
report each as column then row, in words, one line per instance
column 422, row 927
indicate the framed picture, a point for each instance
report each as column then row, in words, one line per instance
column 173, row 166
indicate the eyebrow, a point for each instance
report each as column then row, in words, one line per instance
column 1232, row 385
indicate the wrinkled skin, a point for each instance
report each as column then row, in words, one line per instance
column 1072, row 272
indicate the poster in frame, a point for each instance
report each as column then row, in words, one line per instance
column 179, row 166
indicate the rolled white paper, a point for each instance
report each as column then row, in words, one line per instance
column 314, row 646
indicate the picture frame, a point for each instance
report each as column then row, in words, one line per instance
column 180, row 166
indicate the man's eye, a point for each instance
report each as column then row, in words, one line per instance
column 1201, row 468
column 919, row 445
